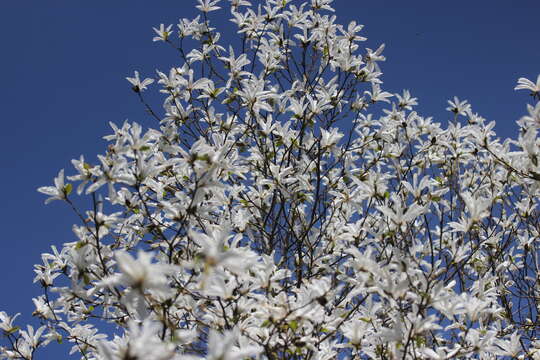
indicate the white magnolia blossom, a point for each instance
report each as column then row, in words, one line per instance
column 163, row 33
column 458, row 107
column 526, row 84
column 57, row 192
column 271, row 211
column 139, row 85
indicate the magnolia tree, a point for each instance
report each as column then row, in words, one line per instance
column 275, row 210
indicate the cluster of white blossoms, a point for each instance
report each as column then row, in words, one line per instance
column 285, row 206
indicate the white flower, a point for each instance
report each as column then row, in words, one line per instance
column 214, row 248
column 222, row 347
column 511, row 347
column 322, row 5
column 375, row 56
column 33, row 338
column 534, row 115
column 406, row 101
column 139, row 85
column 377, row 94
column 526, row 84
column 254, row 95
column 440, row 353
column 235, row 66
column 163, row 33
column 351, row 31
column 355, row 330
column 400, row 213
column 57, row 192
column 141, row 273
column 42, row 308
column 84, row 175
column 208, row 5
column 330, row 138
column 6, row 322
column 476, row 206
column 458, row 107
column 143, row 342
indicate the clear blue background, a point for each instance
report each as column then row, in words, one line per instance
column 63, row 67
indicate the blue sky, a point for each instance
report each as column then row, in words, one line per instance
column 64, row 65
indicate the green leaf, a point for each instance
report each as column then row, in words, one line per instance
column 13, row 330
column 293, row 325
column 80, row 245
column 204, row 157
column 67, row 189
column 266, row 323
